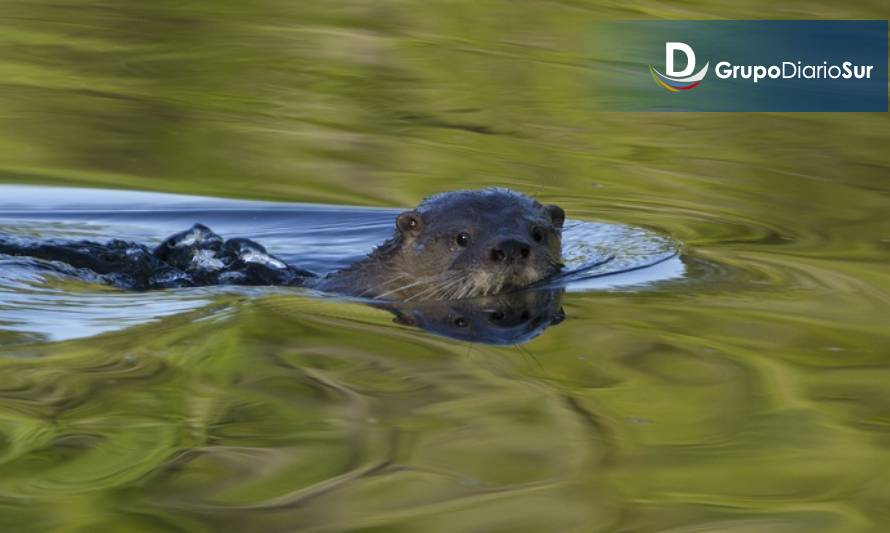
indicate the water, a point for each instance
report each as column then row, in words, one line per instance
column 747, row 394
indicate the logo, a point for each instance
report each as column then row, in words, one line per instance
column 674, row 80
column 741, row 65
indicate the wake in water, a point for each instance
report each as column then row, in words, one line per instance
column 193, row 258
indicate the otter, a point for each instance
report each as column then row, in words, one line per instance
column 454, row 245
column 459, row 245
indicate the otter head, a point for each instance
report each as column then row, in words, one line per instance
column 475, row 243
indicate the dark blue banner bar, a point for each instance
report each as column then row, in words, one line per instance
column 740, row 65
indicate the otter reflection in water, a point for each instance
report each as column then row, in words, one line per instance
column 503, row 319
column 454, row 245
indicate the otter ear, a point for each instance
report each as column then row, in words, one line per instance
column 409, row 222
column 557, row 215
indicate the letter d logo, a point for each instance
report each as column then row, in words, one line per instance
column 670, row 49
column 678, row 80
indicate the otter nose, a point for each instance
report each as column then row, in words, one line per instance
column 510, row 250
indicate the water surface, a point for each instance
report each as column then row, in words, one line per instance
column 750, row 395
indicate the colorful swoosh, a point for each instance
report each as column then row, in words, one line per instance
column 671, row 85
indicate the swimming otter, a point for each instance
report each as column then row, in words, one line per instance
column 459, row 245
column 453, row 245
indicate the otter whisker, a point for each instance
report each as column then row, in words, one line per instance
column 447, row 287
column 456, row 289
column 477, row 287
column 400, row 288
column 436, row 291
column 421, row 281
column 373, row 288
column 432, row 289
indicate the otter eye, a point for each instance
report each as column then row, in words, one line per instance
column 537, row 234
column 460, row 322
column 463, row 239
